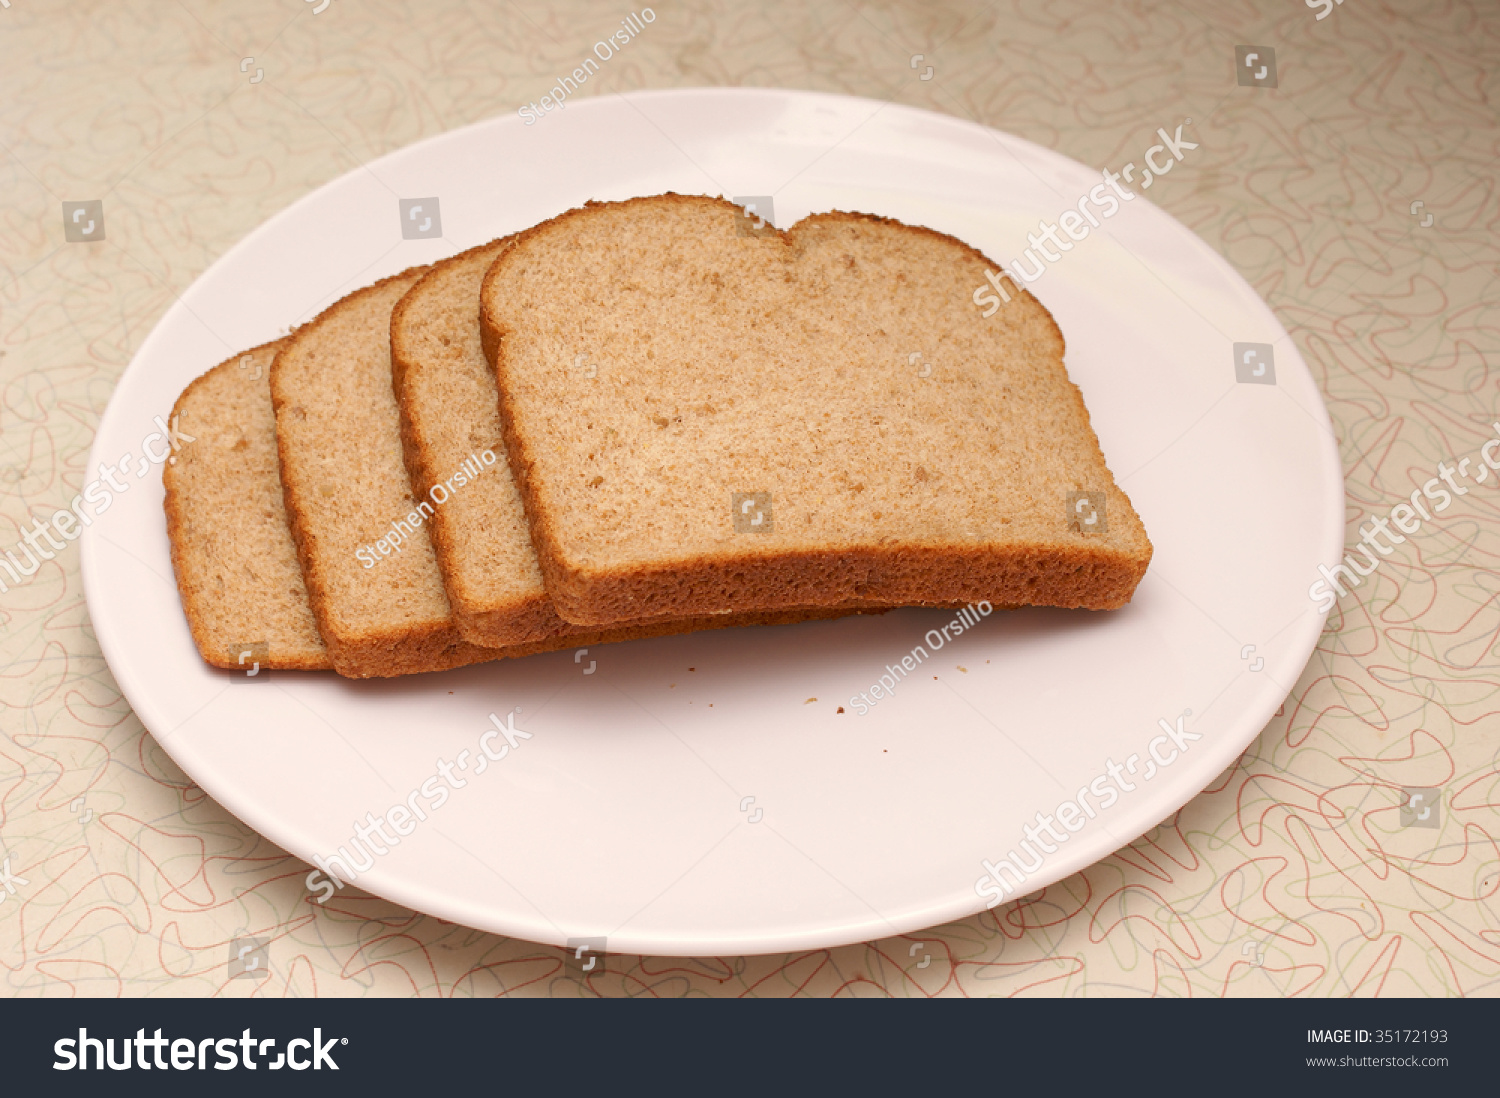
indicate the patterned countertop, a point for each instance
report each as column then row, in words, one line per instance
column 1347, row 171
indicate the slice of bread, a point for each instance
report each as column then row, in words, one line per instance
column 450, row 421
column 378, row 599
column 834, row 381
column 232, row 551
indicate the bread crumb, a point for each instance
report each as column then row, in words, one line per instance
column 809, row 701
column 965, row 670
column 841, row 709
column 694, row 668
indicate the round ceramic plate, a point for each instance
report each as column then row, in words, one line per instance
column 737, row 792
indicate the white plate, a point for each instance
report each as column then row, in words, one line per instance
column 627, row 814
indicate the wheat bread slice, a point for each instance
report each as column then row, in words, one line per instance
column 232, row 551
column 912, row 450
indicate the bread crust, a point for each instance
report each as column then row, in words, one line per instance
column 1064, row 574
